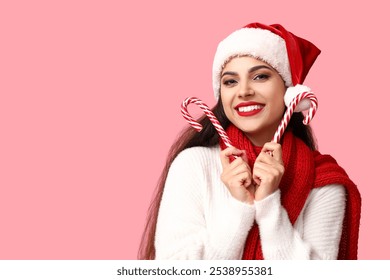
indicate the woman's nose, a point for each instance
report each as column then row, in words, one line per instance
column 245, row 90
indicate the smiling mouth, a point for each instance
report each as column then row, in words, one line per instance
column 249, row 110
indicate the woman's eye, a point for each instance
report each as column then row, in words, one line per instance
column 229, row 82
column 261, row 77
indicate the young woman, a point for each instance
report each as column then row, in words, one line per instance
column 258, row 199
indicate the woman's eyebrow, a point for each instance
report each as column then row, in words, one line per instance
column 229, row 73
column 254, row 68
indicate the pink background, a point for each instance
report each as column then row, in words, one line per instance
column 89, row 105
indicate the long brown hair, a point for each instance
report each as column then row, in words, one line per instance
column 207, row 137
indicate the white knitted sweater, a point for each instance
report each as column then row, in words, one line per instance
column 199, row 219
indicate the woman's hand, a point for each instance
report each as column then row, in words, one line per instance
column 268, row 170
column 237, row 175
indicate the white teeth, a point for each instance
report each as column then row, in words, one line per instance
column 249, row 108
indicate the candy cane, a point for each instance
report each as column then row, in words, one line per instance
column 209, row 114
column 290, row 110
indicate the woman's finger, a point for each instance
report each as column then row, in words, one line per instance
column 238, row 166
column 245, row 178
column 227, row 153
column 265, row 172
column 273, row 150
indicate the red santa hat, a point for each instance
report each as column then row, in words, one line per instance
column 290, row 55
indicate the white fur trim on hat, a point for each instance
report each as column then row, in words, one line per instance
column 292, row 92
column 255, row 42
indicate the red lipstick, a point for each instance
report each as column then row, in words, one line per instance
column 246, row 109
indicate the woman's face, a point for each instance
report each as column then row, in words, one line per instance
column 252, row 95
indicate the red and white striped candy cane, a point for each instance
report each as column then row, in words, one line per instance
column 290, row 110
column 208, row 113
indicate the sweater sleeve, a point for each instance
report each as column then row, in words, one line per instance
column 183, row 230
column 316, row 233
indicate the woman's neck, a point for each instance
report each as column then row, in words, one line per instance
column 259, row 139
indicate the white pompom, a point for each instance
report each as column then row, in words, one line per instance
column 292, row 92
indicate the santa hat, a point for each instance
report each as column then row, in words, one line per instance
column 290, row 55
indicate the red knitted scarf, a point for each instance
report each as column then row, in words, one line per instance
column 304, row 169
